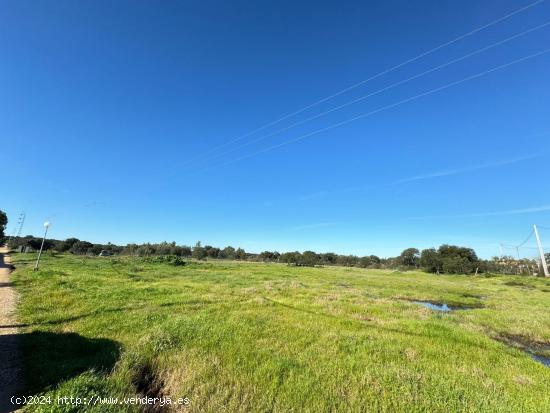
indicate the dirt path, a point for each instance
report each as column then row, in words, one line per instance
column 10, row 369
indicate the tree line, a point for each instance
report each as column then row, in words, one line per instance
column 447, row 259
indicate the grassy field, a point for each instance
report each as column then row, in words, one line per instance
column 253, row 337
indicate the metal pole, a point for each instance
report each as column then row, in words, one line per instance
column 541, row 252
column 518, row 268
column 41, row 246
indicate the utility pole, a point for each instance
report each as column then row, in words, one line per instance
column 519, row 262
column 46, row 226
column 17, row 229
column 541, row 252
column 21, row 222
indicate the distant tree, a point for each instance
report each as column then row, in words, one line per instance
column 365, row 262
column 199, row 252
column 3, row 223
column 212, row 252
column 347, row 260
column 33, row 242
column 66, row 245
column 165, row 248
column 228, row 253
column 458, row 260
column 457, row 265
column 145, row 250
column 268, row 256
column 328, row 258
column 410, row 257
column 185, row 251
column 453, row 250
column 309, row 259
column 240, row 254
column 96, row 249
column 292, row 258
column 430, row 260
column 375, row 261
column 81, row 247
column 451, row 259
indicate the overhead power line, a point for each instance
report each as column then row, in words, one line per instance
column 362, row 82
column 393, row 85
column 381, row 109
column 526, row 240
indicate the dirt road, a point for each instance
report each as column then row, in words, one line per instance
column 10, row 361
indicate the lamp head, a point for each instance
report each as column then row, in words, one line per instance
column 46, row 224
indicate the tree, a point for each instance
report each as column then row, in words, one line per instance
column 228, row 253
column 365, row 262
column 430, row 260
column 458, row 260
column 212, row 252
column 309, row 259
column 291, row 257
column 3, row 223
column 81, row 247
column 409, row 257
column 240, row 254
column 329, row 258
column 457, row 265
column 268, row 256
column 66, row 245
column 185, row 251
column 199, row 252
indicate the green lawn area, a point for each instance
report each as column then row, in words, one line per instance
column 254, row 337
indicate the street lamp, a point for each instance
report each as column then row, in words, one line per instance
column 46, row 226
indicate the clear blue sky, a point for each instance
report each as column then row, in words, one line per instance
column 105, row 107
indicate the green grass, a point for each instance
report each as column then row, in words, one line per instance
column 254, row 337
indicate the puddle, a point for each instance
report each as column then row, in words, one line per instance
column 527, row 346
column 545, row 361
column 434, row 306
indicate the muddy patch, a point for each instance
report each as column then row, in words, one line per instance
column 534, row 349
column 476, row 296
column 148, row 384
column 519, row 284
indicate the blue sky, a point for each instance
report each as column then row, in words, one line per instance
column 131, row 122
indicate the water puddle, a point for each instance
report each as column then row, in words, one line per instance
column 531, row 348
column 434, row 306
column 545, row 361
column 444, row 307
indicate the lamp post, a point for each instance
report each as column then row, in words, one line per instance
column 46, row 226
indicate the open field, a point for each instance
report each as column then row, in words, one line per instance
column 255, row 337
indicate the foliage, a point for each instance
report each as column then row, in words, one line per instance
column 3, row 223
column 446, row 259
column 410, row 257
column 199, row 253
column 450, row 259
column 430, row 260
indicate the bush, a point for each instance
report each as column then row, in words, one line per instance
column 457, row 265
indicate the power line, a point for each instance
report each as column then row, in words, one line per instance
column 381, row 109
column 526, row 239
column 393, row 85
column 362, row 82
